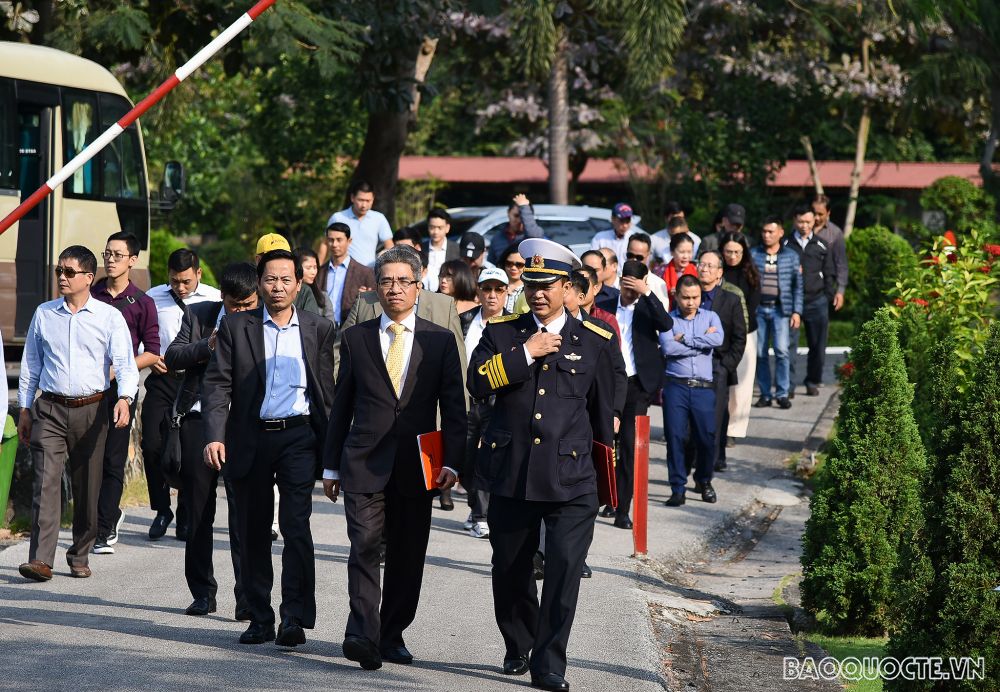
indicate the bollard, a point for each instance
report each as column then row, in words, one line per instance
column 640, row 498
column 8, row 451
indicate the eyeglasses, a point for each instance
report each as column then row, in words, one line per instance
column 633, row 256
column 706, row 265
column 514, row 265
column 70, row 273
column 493, row 289
column 386, row 284
column 118, row 256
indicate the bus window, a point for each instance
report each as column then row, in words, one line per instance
column 79, row 130
column 8, row 136
column 122, row 162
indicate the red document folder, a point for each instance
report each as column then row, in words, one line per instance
column 604, row 465
column 431, row 457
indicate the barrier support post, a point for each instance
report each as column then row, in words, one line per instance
column 640, row 498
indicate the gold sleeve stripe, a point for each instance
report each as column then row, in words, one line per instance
column 484, row 370
column 497, row 367
column 501, row 370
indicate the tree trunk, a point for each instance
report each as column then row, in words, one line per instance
column 813, row 170
column 387, row 131
column 859, row 166
column 559, row 124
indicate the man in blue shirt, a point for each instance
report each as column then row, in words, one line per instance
column 688, row 390
column 368, row 227
column 72, row 346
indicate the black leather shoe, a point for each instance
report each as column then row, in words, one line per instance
column 676, row 500
column 538, row 565
column 586, row 572
column 362, row 650
column 708, row 493
column 182, row 532
column 784, row 403
column 812, row 390
column 446, row 504
column 290, row 633
column 515, row 666
column 396, row 654
column 258, row 633
column 201, row 606
column 243, row 614
column 762, row 402
column 623, row 522
column 721, row 465
column 607, row 512
column 791, row 393
column 159, row 526
column 550, row 681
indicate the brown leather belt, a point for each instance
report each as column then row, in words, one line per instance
column 73, row 401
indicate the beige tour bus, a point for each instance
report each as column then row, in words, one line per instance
column 52, row 104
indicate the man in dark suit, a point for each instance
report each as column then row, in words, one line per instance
column 395, row 372
column 190, row 353
column 727, row 302
column 553, row 380
column 342, row 278
column 640, row 316
column 438, row 249
column 266, row 398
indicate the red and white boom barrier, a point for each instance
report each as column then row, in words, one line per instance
column 182, row 73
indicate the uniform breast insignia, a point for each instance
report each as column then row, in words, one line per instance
column 572, row 356
column 504, row 318
column 597, row 330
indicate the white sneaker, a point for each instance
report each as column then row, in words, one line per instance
column 113, row 536
column 480, row 530
column 103, row 548
column 469, row 523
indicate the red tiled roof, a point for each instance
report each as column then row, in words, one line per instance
column 795, row 174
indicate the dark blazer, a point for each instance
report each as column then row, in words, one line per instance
column 358, row 275
column 372, row 436
column 548, row 414
column 189, row 352
column 650, row 317
column 451, row 250
column 617, row 360
column 233, row 387
column 729, row 308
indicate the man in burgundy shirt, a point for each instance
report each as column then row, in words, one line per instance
column 116, row 289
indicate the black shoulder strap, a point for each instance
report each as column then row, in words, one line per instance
column 180, row 303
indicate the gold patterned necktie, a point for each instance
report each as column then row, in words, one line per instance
column 394, row 359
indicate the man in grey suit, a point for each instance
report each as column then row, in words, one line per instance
column 433, row 307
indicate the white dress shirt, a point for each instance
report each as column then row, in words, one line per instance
column 553, row 327
column 610, row 239
column 70, row 354
column 624, row 315
column 169, row 314
column 435, row 258
column 475, row 333
column 285, row 384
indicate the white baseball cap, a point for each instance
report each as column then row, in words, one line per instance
column 493, row 274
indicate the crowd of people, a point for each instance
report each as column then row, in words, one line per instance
column 328, row 362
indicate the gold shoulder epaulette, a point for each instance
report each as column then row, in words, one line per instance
column 497, row 319
column 597, row 330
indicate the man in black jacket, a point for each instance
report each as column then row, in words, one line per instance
column 190, row 353
column 727, row 302
column 819, row 288
column 266, row 404
column 640, row 316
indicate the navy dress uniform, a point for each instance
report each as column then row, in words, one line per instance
column 538, row 466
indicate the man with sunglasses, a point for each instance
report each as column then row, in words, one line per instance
column 121, row 252
column 71, row 347
column 640, row 249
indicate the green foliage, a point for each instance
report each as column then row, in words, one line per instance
column 965, row 205
column 866, row 506
column 953, row 609
column 955, row 285
column 161, row 244
column 415, row 198
column 878, row 258
column 217, row 255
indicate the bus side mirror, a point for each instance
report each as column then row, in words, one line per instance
column 172, row 185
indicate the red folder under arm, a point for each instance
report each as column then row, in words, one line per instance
column 604, row 465
column 432, row 457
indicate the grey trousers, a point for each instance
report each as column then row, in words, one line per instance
column 60, row 434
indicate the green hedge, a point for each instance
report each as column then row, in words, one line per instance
column 877, row 259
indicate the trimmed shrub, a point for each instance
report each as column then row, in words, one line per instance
column 877, row 259
column 965, row 205
column 866, row 505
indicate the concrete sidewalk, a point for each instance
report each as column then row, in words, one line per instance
column 124, row 628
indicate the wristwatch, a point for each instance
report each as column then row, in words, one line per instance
column 126, row 399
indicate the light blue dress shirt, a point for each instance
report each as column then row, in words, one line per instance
column 366, row 233
column 70, row 354
column 335, row 279
column 285, row 391
column 691, row 358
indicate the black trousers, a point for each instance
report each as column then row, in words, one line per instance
column 636, row 404
column 405, row 522
column 479, row 497
column 525, row 624
column 286, row 458
column 113, row 470
column 157, row 405
column 200, row 490
column 816, row 321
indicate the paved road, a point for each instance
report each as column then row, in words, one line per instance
column 124, row 628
